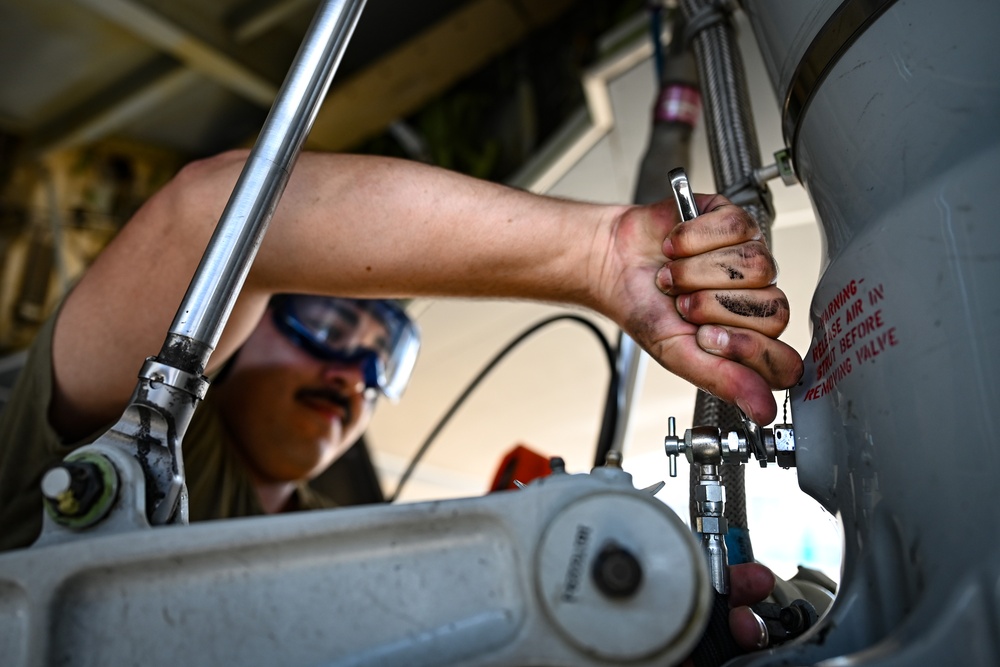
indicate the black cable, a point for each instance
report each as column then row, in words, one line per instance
column 482, row 375
column 612, row 413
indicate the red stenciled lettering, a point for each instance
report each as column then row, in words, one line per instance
column 831, row 330
column 877, row 346
column 838, row 301
column 866, row 339
column 825, row 387
column 828, row 362
column 857, row 309
column 860, row 330
column 876, row 294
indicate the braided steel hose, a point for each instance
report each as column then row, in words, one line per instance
column 735, row 152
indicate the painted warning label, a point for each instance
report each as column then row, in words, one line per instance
column 853, row 330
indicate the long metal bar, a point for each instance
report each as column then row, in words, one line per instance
column 630, row 364
column 230, row 253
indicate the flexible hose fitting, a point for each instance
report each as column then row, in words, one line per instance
column 735, row 152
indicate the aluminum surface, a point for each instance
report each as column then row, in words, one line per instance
column 503, row 579
column 899, row 150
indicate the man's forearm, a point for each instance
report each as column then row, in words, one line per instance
column 351, row 225
column 375, row 227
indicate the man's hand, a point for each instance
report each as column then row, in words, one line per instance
column 699, row 297
column 749, row 584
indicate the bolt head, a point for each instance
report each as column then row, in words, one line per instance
column 616, row 571
column 711, row 493
column 56, row 482
column 715, row 525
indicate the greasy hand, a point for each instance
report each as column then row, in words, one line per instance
column 699, row 297
column 749, row 584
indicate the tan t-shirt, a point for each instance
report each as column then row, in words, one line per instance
column 218, row 485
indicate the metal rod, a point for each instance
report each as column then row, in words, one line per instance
column 223, row 269
column 629, row 367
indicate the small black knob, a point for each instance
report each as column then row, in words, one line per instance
column 616, row 572
column 797, row 617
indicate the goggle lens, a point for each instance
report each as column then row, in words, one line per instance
column 375, row 334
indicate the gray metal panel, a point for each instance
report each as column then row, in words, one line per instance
column 896, row 419
column 784, row 31
column 501, row 579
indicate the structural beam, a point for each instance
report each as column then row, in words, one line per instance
column 260, row 16
column 357, row 108
column 194, row 51
column 403, row 81
column 128, row 100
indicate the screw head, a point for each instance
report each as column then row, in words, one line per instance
column 72, row 487
column 616, row 571
column 56, row 482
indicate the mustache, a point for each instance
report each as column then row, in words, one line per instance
column 329, row 395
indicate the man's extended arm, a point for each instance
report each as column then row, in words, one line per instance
column 370, row 226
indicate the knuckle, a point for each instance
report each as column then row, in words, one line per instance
column 733, row 220
column 682, row 237
column 725, row 224
column 743, row 226
column 782, row 313
column 759, row 258
column 750, row 261
column 793, row 373
column 717, row 201
column 682, row 276
column 783, row 366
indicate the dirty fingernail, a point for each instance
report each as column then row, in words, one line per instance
column 713, row 339
column 745, row 407
column 684, row 305
column 764, row 638
column 668, row 247
column 664, row 281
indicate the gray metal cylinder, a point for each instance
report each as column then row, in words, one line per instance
column 898, row 143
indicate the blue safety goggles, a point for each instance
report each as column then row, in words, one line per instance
column 333, row 329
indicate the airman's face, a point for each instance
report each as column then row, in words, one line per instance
column 290, row 414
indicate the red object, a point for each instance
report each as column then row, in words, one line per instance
column 678, row 103
column 521, row 464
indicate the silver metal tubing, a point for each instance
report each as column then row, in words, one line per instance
column 628, row 363
column 735, row 154
column 220, row 276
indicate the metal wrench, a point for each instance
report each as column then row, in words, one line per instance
column 688, row 209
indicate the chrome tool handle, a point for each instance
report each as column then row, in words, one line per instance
column 682, row 194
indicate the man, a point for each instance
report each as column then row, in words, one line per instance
column 373, row 227
column 298, row 394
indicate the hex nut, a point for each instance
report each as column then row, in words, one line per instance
column 616, row 571
column 715, row 525
column 732, row 448
column 710, row 493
